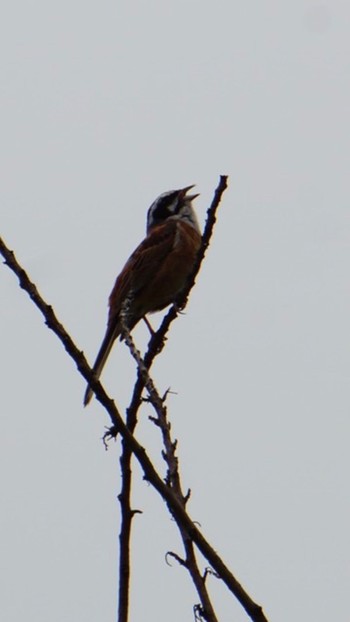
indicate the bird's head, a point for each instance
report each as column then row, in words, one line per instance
column 175, row 204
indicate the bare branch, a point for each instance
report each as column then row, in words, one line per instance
column 175, row 506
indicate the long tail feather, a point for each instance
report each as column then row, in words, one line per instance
column 106, row 346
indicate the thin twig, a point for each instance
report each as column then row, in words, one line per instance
column 173, row 479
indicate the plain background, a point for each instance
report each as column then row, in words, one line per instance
column 104, row 105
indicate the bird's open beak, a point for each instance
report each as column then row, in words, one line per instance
column 184, row 191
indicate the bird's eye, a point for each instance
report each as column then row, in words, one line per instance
column 166, row 207
column 161, row 212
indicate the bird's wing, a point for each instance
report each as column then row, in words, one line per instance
column 142, row 266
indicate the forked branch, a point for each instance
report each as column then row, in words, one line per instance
column 175, row 506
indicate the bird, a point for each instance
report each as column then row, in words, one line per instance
column 157, row 270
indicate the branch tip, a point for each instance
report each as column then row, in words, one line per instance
column 177, row 557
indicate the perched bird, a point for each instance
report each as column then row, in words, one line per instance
column 156, row 271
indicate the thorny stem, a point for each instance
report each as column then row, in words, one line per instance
column 173, row 476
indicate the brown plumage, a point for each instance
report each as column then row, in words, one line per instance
column 156, row 271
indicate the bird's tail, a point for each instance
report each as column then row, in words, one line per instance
column 106, row 346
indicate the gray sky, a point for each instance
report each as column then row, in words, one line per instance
column 104, row 106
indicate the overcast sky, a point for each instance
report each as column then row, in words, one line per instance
column 104, row 105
